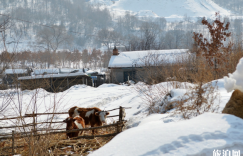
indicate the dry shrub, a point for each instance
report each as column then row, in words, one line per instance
column 154, row 96
column 198, row 100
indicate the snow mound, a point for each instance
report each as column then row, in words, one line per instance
column 107, row 85
column 235, row 80
column 76, row 87
column 153, row 118
column 177, row 92
column 198, row 136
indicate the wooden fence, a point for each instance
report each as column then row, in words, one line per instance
column 33, row 133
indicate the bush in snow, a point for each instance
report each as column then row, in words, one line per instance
column 157, row 97
column 181, row 98
column 198, row 100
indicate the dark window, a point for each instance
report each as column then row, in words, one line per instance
column 130, row 74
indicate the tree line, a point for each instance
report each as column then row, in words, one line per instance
column 57, row 59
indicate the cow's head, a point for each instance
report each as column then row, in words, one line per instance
column 102, row 115
column 68, row 119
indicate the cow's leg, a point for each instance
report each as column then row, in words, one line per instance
column 93, row 131
column 81, row 132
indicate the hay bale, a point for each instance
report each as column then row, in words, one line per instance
column 235, row 104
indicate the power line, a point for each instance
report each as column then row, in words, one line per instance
column 39, row 24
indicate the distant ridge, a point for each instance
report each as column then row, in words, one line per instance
column 170, row 9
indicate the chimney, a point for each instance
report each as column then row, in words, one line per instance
column 115, row 51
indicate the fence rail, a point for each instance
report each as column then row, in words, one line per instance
column 69, row 131
column 35, row 114
column 119, row 125
column 32, row 124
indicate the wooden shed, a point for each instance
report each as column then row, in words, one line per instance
column 10, row 76
column 54, row 82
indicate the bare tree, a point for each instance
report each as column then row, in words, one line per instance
column 85, row 57
column 53, row 38
column 149, row 33
column 238, row 30
column 4, row 25
column 108, row 37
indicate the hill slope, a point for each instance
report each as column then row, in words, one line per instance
column 170, row 9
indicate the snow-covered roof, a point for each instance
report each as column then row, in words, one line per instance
column 16, row 71
column 91, row 72
column 140, row 58
column 66, row 70
column 52, row 76
column 48, row 71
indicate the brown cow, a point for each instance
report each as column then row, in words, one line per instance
column 74, row 123
column 92, row 116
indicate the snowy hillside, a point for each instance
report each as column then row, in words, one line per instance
column 170, row 9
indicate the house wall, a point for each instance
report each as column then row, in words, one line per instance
column 138, row 74
column 12, row 78
column 118, row 75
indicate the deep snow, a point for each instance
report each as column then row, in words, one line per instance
column 198, row 136
column 157, row 134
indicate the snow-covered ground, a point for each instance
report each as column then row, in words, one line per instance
column 107, row 96
column 156, row 134
column 198, row 136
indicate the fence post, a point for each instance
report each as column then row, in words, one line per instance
column 119, row 121
column 13, row 142
column 34, row 128
column 120, row 114
column 67, row 83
